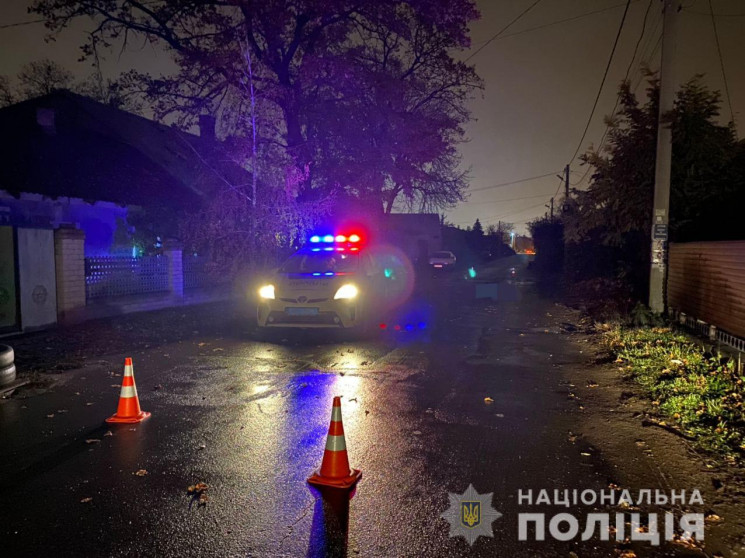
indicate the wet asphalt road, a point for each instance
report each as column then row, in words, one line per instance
column 249, row 417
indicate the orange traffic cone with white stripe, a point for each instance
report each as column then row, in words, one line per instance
column 129, row 404
column 335, row 471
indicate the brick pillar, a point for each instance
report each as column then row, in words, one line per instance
column 173, row 250
column 69, row 257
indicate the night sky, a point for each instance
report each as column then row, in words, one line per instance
column 540, row 84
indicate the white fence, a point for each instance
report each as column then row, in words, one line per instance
column 111, row 276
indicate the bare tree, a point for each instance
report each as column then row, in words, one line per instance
column 6, row 92
column 41, row 77
column 109, row 92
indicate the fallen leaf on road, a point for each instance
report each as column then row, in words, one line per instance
column 50, row 415
column 364, row 363
column 203, row 498
column 86, row 500
column 88, row 404
column 109, row 433
column 201, row 344
column 92, row 441
column 115, row 385
column 488, row 400
column 685, row 543
column 198, row 488
column 140, row 473
column 367, row 412
column 417, row 433
column 499, row 415
column 585, row 454
column 354, row 399
column 202, row 446
column 218, row 349
column 592, row 384
column 155, row 388
column 713, row 518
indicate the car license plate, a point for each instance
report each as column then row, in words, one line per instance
column 301, row 311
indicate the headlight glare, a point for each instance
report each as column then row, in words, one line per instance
column 346, row 291
column 267, row 291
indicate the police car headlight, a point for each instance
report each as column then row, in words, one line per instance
column 346, row 291
column 267, row 291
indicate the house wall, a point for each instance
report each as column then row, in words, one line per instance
column 99, row 220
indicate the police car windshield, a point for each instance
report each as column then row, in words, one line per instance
column 312, row 262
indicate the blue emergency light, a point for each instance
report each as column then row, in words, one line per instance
column 339, row 238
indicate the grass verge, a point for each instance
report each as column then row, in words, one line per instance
column 699, row 392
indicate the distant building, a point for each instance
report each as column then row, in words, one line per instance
column 417, row 234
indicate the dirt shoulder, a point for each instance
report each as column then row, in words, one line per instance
column 617, row 418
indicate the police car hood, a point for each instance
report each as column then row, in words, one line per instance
column 294, row 285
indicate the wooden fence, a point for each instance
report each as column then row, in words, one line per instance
column 706, row 281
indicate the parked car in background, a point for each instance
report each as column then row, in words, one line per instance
column 442, row 260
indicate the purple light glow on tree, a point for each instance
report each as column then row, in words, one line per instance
column 343, row 100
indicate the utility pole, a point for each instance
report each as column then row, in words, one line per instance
column 663, row 163
column 566, row 183
column 552, row 208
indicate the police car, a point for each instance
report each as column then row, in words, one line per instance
column 333, row 282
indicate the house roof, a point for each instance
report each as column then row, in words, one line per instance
column 67, row 145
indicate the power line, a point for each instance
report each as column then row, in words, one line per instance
column 644, row 60
column 602, row 83
column 651, row 55
column 565, row 20
column 721, row 63
column 626, row 76
column 511, row 199
column 655, row 31
column 589, row 167
column 510, row 24
column 20, row 23
column 512, row 182
column 513, row 213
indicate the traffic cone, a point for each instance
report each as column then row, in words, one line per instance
column 129, row 404
column 335, row 471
